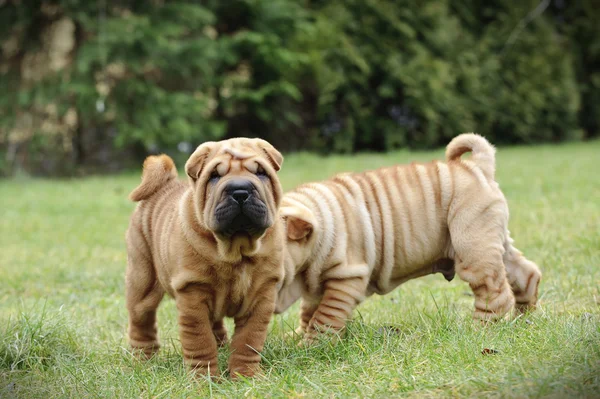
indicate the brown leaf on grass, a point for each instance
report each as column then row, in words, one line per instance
column 488, row 351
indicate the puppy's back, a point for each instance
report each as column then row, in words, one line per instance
column 158, row 196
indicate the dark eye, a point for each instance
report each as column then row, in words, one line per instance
column 214, row 176
column 260, row 172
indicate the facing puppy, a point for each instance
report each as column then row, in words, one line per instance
column 365, row 233
column 215, row 244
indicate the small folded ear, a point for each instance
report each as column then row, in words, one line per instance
column 272, row 154
column 298, row 228
column 195, row 164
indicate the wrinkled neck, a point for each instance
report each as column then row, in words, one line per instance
column 234, row 249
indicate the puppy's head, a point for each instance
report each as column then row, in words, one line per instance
column 236, row 190
column 301, row 236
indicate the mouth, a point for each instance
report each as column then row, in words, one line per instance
column 248, row 218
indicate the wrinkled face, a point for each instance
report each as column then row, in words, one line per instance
column 241, row 207
column 236, row 189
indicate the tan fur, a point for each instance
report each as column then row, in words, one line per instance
column 158, row 170
column 365, row 233
column 172, row 249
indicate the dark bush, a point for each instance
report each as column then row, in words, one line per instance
column 99, row 84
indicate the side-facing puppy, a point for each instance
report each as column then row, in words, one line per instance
column 215, row 244
column 365, row 233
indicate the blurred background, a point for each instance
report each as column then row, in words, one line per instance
column 93, row 86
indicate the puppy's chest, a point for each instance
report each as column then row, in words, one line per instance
column 233, row 293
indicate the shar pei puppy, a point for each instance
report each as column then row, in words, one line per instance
column 365, row 233
column 215, row 244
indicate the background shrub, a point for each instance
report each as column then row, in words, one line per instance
column 97, row 85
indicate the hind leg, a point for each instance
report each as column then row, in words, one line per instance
column 307, row 310
column 143, row 295
column 524, row 277
column 487, row 279
column 478, row 246
column 220, row 332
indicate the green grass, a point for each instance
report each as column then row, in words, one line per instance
column 63, row 319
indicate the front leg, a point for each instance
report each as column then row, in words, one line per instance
column 340, row 298
column 196, row 331
column 250, row 334
column 307, row 310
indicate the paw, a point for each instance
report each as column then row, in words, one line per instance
column 485, row 316
column 244, row 370
column 494, row 307
column 526, row 307
column 488, row 316
column 322, row 333
column 144, row 351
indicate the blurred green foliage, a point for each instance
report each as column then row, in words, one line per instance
column 105, row 82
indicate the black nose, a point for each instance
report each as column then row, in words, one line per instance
column 239, row 190
column 240, row 195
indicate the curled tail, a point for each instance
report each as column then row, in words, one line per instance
column 158, row 170
column 482, row 152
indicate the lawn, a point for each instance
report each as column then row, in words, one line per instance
column 63, row 318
